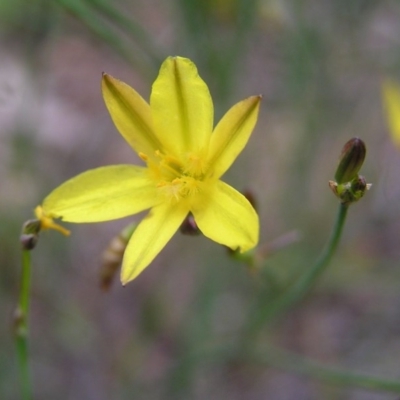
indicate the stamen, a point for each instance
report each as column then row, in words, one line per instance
column 195, row 165
column 143, row 156
column 169, row 163
column 175, row 179
column 47, row 222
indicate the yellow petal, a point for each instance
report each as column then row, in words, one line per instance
column 102, row 194
column 231, row 135
column 131, row 115
column 182, row 107
column 149, row 238
column 391, row 100
column 226, row 216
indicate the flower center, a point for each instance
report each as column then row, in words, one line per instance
column 176, row 179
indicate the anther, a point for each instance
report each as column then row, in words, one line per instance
column 143, row 156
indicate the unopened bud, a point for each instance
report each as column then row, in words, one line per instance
column 350, row 192
column 30, row 234
column 113, row 255
column 28, row 240
column 189, row 226
column 348, row 186
column 31, row 226
column 19, row 323
column 251, row 198
column 351, row 160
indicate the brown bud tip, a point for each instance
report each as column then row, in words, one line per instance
column 28, row 240
column 30, row 234
column 351, row 160
column 251, row 198
column 111, row 261
column 189, row 226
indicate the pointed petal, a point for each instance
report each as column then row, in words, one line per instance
column 182, row 107
column 149, row 238
column 226, row 216
column 231, row 135
column 131, row 115
column 102, row 194
column 391, row 100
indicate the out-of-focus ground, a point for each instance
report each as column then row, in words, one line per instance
column 319, row 66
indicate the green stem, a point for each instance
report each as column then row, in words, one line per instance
column 300, row 288
column 21, row 325
column 138, row 33
column 83, row 13
column 307, row 280
column 290, row 362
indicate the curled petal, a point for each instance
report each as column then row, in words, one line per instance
column 231, row 135
column 131, row 115
column 102, row 194
column 226, row 216
column 182, row 107
column 149, row 238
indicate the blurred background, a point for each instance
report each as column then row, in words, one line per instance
column 319, row 65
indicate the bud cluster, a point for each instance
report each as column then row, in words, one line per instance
column 348, row 186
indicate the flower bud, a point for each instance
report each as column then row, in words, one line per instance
column 348, row 186
column 31, row 226
column 189, row 226
column 30, row 234
column 250, row 196
column 350, row 192
column 29, row 240
column 113, row 255
column 351, row 160
column 18, row 323
column 359, row 186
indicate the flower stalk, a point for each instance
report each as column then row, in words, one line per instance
column 280, row 359
column 28, row 239
column 21, row 325
column 348, row 187
column 268, row 311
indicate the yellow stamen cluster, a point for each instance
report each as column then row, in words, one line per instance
column 175, row 179
column 195, row 165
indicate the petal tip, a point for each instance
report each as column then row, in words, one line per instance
column 127, row 276
column 128, row 271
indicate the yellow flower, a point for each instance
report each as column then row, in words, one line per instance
column 184, row 160
column 391, row 105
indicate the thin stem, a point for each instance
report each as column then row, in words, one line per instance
column 21, row 325
column 83, row 12
column 300, row 288
column 141, row 36
column 290, row 362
